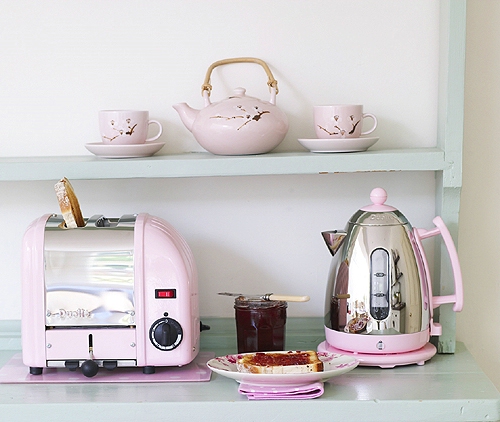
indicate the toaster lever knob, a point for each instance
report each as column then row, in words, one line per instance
column 89, row 368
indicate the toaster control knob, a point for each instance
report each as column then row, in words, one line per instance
column 165, row 334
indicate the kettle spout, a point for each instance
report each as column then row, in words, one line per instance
column 334, row 239
column 187, row 114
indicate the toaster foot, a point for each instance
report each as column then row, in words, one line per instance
column 110, row 364
column 34, row 370
column 148, row 370
column 72, row 365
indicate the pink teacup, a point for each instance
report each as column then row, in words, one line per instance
column 125, row 127
column 341, row 121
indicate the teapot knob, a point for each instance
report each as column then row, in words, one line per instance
column 239, row 92
column 378, row 196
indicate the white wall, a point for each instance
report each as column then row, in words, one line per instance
column 248, row 234
column 63, row 61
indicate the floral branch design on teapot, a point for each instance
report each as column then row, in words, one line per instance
column 338, row 130
column 128, row 131
column 249, row 118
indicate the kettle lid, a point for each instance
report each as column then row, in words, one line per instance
column 378, row 213
column 378, row 197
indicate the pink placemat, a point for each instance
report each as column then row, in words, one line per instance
column 15, row 372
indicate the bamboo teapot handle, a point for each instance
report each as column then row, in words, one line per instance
column 206, row 88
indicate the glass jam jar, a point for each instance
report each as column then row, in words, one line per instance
column 260, row 325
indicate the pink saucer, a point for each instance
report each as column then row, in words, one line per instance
column 124, row 151
column 419, row 356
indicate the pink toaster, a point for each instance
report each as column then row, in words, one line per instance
column 115, row 293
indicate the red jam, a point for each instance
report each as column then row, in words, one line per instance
column 280, row 359
column 260, row 325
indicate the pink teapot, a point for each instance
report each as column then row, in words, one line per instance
column 240, row 124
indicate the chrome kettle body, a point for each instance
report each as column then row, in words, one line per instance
column 379, row 294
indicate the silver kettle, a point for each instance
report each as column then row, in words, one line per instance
column 379, row 295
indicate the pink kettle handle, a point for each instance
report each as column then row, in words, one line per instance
column 458, row 298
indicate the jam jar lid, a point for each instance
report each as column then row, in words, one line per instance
column 243, row 302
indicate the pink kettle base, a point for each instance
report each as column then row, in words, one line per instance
column 390, row 360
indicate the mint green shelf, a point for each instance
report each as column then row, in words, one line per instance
column 447, row 388
column 205, row 164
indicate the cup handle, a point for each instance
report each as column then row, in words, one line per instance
column 374, row 123
column 154, row 138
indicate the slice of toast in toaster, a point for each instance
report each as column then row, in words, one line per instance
column 291, row 362
column 68, row 202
